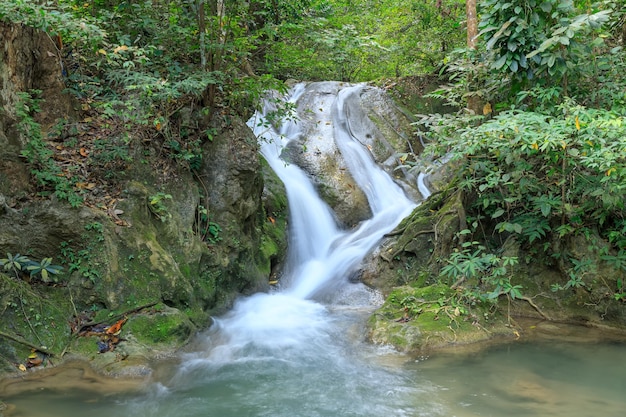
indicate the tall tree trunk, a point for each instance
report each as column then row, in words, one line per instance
column 472, row 23
column 474, row 102
column 29, row 60
column 217, row 40
column 202, row 30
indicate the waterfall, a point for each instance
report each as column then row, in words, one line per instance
column 289, row 350
column 321, row 255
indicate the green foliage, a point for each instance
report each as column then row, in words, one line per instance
column 55, row 18
column 14, row 264
column 83, row 257
column 208, row 230
column 534, row 173
column 362, row 40
column 48, row 175
column 488, row 272
column 156, row 204
column 17, row 264
column 533, row 38
column 45, row 269
column 96, row 231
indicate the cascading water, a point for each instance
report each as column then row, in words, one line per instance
column 299, row 352
column 286, row 353
column 319, row 252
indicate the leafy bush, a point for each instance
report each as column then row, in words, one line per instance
column 18, row 264
column 534, row 173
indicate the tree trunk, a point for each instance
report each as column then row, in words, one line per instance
column 472, row 23
column 474, row 102
column 202, row 30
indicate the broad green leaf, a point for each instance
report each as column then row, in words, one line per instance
column 500, row 62
column 546, row 6
column 497, row 213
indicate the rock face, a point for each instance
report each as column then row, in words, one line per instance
column 185, row 244
column 145, row 259
column 29, row 60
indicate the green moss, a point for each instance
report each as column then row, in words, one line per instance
column 34, row 313
column 171, row 328
column 85, row 347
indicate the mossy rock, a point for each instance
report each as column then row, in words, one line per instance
column 29, row 315
column 419, row 320
column 168, row 326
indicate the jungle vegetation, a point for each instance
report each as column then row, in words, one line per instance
column 540, row 137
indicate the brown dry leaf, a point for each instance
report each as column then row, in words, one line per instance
column 83, row 152
column 117, row 327
column 81, row 185
column 120, row 48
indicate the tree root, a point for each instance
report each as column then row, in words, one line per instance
column 116, row 317
column 535, row 306
column 21, row 341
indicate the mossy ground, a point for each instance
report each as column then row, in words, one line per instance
column 35, row 313
column 166, row 326
column 417, row 320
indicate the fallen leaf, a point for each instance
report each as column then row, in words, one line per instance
column 22, row 367
column 83, row 152
column 117, row 327
column 120, row 48
column 85, row 186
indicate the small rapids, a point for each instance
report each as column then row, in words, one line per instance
column 300, row 351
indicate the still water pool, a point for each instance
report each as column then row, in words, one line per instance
column 320, row 367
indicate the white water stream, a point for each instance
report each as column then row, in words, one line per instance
column 299, row 352
column 289, row 353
